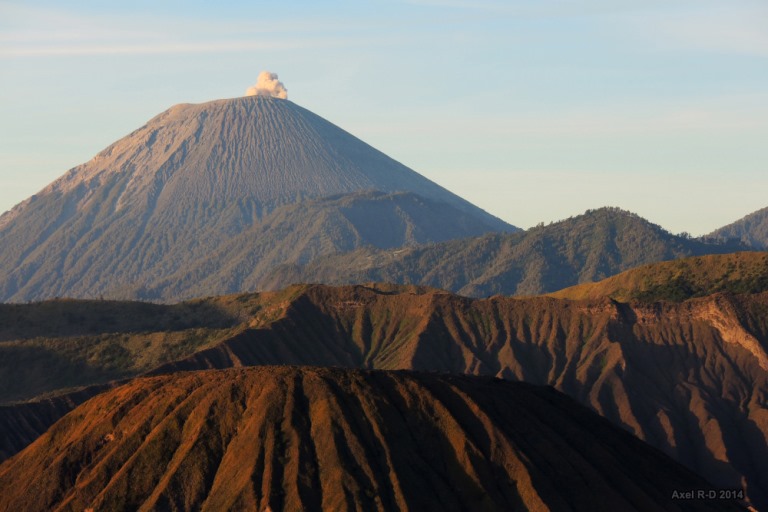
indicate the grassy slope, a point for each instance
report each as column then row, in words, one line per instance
column 54, row 346
column 743, row 272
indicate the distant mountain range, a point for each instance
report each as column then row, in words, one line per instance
column 258, row 193
column 585, row 248
column 303, row 232
column 287, row 438
column 689, row 378
column 751, row 230
column 199, row 180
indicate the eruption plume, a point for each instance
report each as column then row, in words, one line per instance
column 267, row 84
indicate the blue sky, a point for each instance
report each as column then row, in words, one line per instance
column 533, row 110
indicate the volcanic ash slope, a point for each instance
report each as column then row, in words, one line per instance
column 288, row 438
column 191, row 180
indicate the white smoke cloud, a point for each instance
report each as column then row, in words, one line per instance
column 267, row 84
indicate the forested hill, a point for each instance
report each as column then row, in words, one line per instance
column 751, row 230
column 589, row 247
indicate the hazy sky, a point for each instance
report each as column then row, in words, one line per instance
column 534, row 110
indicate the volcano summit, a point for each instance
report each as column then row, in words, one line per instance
column 193, row 179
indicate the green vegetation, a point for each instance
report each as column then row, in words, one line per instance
column 586, row 248
column 37, row 366
column 744, row 272
column 66, row 344
column 751, row 230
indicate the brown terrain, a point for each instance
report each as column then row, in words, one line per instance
column 288, row 438
column 123, row 405
column 690, row 378
column 740, row 272
column 22, row 423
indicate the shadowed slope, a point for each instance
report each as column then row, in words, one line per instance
column 60, row 345
column 743, row 272
column 330, row 439
column 66, row 318
column 22, row 423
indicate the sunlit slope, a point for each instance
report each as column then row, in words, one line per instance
column 743, row 272
column 690, row 378
column 287, row 438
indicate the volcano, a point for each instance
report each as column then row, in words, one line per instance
column 197, row 176
column 287, row 438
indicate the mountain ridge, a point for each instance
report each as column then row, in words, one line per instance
column 543, row 259
column 302, row 232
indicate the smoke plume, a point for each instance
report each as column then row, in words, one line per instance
column 267, row 84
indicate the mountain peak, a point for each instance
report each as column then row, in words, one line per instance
column 187, row 182
column 614, row 213
column 256, row 148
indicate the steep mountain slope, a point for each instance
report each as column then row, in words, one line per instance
column 741, row 272
column 282, row 438
column 752, row 230
column 22, row 423
column 689, row 378
column 188, row 181
column 300, row 233
column 544, row 259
